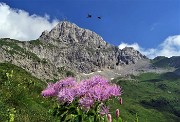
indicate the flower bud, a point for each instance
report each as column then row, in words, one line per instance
column 117, row 113
column 109, row 117
column 120, row 101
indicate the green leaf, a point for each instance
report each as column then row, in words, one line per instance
column 91, row 119
column 119, row 119
column 91, row 113
column 62, row 119
column 80, row 118
column 114, row 120
column 73, row 110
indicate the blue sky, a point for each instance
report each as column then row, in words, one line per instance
column 145, row 24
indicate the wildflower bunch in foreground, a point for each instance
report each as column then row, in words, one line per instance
column 87, row 91
column 87, row 94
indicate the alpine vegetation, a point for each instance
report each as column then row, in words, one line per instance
column 82, row 101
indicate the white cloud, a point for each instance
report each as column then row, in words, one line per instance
column 169, row 47
column 18, row 24
column 134, row 45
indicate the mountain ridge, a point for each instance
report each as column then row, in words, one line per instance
column 66, row 46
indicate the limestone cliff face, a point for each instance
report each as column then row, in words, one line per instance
column 67, row 45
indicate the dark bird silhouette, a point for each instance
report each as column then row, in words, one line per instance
column 99, row 17
column 89, row 16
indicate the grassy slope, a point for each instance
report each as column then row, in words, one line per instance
column 164, row 62
column 22, row 93
column 154, row 97
column 161, row 61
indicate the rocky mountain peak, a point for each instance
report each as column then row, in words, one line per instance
column 69, row 46
column 63, row 29
column 66, row 32
column 46, row 32
column 130, row 51
column 88, row 49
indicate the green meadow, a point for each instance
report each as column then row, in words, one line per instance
column 148, row 97
column 151, row 97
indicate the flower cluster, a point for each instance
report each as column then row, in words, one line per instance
column 87, row 92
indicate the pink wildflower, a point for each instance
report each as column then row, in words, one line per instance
column 86, row 92
column 86, row 102
column 104, row 110
column 49, row 91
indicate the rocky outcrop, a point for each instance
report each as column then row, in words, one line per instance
column 67, row 45
column 11, row 52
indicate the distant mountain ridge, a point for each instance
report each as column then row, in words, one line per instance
column 162, row 61
column 165, row 62
column 66, row 47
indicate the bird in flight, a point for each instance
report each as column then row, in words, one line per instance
column 99, row 17
column 89, row 16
